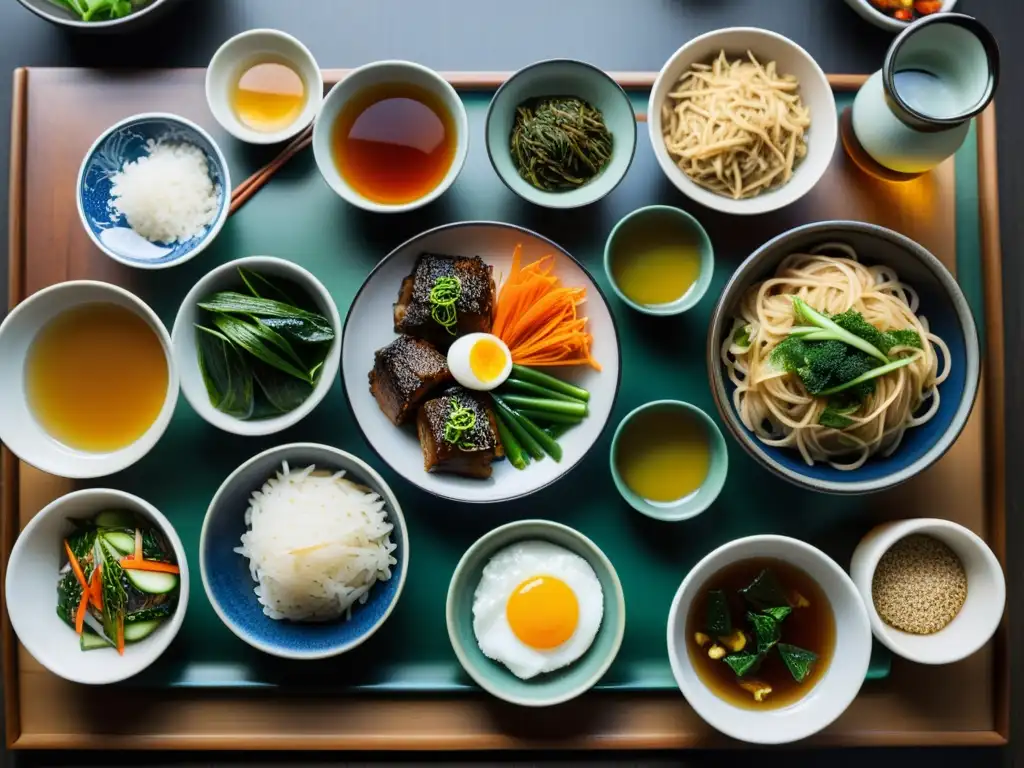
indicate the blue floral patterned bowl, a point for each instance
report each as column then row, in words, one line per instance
column 127, row 141
column 229, row 585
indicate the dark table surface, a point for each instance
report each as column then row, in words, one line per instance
column 616, row 35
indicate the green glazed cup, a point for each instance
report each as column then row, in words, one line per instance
column 689, row 506
column 562, row 684
column 679, row 223
column 562, row 77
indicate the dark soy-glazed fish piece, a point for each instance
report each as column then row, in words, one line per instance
column 404, row 374
column 472, row 454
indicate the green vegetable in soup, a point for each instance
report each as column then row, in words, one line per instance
column 719, row 622
column 800, row 662
column 744, row 664
column 778, row 613
column 765, row 592
column 766, row 630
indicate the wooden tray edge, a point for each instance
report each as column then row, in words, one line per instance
column 8, row 462
column 992, row 276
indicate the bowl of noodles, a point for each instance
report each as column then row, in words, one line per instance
column 743, row 120
column 844, row 357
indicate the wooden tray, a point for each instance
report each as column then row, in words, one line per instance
column 952, row 212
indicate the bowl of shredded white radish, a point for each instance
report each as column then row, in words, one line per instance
column 304, row 551
column 153, row 191
column 743, row 121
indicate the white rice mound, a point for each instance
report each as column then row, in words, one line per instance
column 167, row 196
column 316, row 544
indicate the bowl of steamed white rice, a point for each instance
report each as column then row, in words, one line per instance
column 304, row 551
column 153, row 191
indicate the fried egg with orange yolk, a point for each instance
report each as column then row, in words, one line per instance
column 537, row 608
column 479, row 361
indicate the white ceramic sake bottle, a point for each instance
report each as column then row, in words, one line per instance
column 915, row 112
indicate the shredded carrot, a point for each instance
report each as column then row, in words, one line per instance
column 538, row 319
column 130, row 564
column 83, row 604
column 120, row 635
column 75, row 566
column 138, row 543
column 96, row 588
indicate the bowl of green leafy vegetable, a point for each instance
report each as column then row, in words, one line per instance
column 95, row 15
column 258, row 341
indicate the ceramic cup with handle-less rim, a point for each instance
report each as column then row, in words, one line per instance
column 832, row 693
column 127, row 141
column 980, row 614
column 676, row 226
column 369, row 327
column 699, row 500
column 30, row 591
column 257, row 46
column 815, row 92
column 562, row 77
column 183, row 341
column 562, row 684
column 376, row 74
column 21, row 431
column 229, row 584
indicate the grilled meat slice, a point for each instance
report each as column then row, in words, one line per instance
column 404, row 374
column 474, row 308
column 477, row 447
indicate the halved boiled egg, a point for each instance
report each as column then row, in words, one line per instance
column 479, row 361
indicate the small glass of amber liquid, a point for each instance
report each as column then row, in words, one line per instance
column 268, row 96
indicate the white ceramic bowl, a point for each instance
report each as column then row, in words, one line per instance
column 832, row 694
column 183, row 340
column 31, row 591
column 20, row 430
column 369, row 326
column 815, row 91
column 375, row 74
column 867, row 11
column 978, row 618
column 243, row 51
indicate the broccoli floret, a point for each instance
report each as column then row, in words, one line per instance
column 853, row 321
column 823, row 365
column 904, row 339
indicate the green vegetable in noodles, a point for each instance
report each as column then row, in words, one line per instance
column 741, row 336
column 115, row 598
column 823, row 365
column 765, row 592
column 559, row 143
column 766, row 630
column 744, row 664
column 719, row 621
column 837, row 416
column 227, row 376
column 853, row 321
column 868, row 376
column 800, row 662
column 822, row 328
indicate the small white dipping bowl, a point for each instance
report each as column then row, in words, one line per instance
column 20, row 430
column 248, row 49
column 31, row 591
column 832, row 694
column 815, row 91
column 981, row 612
column 183, row 340
column 375, row 74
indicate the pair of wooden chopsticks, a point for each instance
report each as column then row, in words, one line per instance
column 244, row 191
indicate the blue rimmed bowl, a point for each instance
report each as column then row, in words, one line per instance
column 126, row 141
column 941, row 302
column 225, row 573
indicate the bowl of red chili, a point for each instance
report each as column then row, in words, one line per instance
column 894, row 15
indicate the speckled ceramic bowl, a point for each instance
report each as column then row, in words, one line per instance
column 563, row 684
column 229, row 585
column 562, row 77
column 126, row 141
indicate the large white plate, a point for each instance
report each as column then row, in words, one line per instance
column 369, row 326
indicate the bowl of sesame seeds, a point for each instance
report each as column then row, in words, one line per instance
column 934, row 591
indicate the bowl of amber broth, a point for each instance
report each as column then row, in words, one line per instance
column 934, row 591
column 90, row 385
column 263, row 86
column 768, row 639
column 561, row 133
column 659, row 260
column 391, row 136
column 669, row 460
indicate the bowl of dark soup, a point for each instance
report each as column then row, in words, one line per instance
column 768, row 639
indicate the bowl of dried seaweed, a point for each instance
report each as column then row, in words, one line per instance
column 561, row 133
